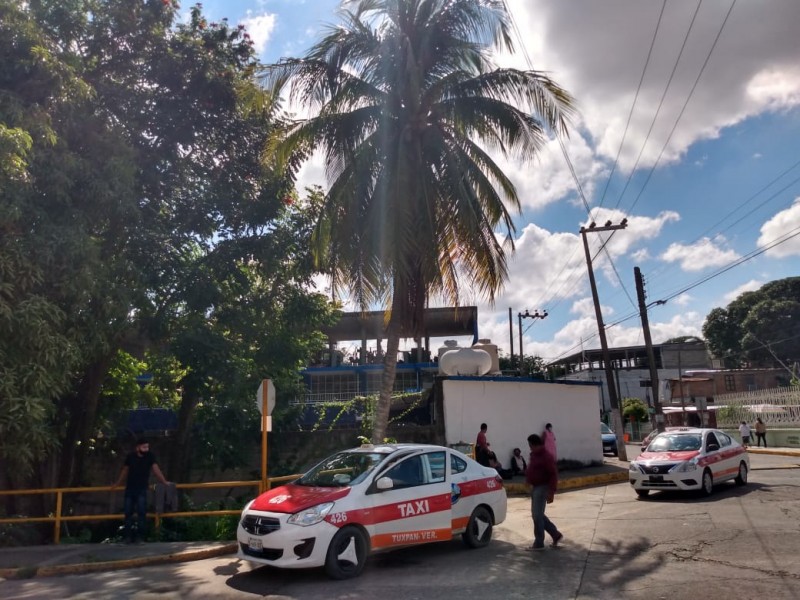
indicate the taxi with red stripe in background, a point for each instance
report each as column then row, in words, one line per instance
column 688, row 458
column 369, row 499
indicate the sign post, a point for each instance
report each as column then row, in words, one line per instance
column 265, row 401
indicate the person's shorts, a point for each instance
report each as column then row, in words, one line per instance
column 745, row 439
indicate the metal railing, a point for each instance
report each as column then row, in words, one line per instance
column 57, row 517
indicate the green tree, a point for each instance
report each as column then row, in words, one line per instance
column 406, row 106
column 634, row 407
column 137, row 214
column 761, row 327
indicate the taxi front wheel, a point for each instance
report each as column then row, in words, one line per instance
column 347, row 553
column 479, row 528
column 708, row 483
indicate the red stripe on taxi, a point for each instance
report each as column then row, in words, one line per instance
column 391, row 512
column 480, row 486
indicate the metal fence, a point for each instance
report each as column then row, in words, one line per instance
column 776, row 406
column 57, row 518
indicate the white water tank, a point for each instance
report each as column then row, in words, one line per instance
column 448, row 345
column 465, row 361
column 488, row 346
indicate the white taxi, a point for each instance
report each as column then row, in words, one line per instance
column 689, row 458
column 369, row 499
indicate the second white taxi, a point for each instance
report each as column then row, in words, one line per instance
column 689, row 459
column 370, row 499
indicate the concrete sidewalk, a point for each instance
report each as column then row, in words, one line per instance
column 68, row 559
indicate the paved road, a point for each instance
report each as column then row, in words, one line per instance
column 740, row 543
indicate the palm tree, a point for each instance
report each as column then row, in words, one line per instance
column 406, row 107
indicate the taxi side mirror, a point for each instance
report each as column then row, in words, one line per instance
column 384, row 483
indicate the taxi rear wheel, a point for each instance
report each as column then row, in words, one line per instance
column 741, row 479
column 479, row 528
column 708, row 483
column 347, row 554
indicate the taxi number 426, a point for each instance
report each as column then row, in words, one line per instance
column 339, row 517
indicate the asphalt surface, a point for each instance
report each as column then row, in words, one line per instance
column 70, row 559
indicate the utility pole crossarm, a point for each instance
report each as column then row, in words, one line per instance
column 526, row 315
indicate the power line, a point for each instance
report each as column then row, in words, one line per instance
column 660, row 105
column 633, row 104
column 685, row 104
column 570, row 166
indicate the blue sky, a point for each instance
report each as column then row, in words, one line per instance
column 709, row 178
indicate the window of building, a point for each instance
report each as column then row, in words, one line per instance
column 730, row 383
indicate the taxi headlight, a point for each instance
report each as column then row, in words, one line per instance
column 246, row 508
column 311, row 516
column 685, row 467
column 634, row 467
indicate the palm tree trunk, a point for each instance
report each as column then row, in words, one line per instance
column 381, row 421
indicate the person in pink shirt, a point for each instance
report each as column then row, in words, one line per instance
column 549, row 439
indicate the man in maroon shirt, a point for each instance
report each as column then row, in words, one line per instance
column 482, row 446
column 542, row 475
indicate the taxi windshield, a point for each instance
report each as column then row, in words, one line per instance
column 342, row 470
column 675, row 442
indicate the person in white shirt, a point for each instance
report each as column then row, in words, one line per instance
column 744, row 430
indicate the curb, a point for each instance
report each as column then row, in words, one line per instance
column 572, row 483
column 774, row 451
column 113, row 565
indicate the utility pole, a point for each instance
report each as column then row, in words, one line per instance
column 616, row 415
column 526, row 315
column 511, row 335
column 648, row 344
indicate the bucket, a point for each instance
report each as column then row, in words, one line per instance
column 626, row 437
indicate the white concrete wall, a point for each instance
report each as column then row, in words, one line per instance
column 514, row 409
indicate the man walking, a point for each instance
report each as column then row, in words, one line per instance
column 542, row 476
column 136, row 474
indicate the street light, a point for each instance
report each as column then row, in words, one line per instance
column 526, row 315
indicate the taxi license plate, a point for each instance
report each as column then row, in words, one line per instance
column 656, row 478
column 255, row 544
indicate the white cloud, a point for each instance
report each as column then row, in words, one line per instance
column 682, row 300
column 640, row 255
column 547, row 179
column 598, row 54
column 700, row 255
column 259, row 27
column 750, row 286
column 783, row 223
column 312, row 173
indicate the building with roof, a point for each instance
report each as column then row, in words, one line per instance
column 631, row 368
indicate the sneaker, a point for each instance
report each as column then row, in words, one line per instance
column 536, row 547
column 557, row 539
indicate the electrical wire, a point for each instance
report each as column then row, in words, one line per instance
column 633, row 104
column 683, row 108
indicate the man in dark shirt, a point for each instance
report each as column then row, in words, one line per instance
column 136, row 474
column 542, row 475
